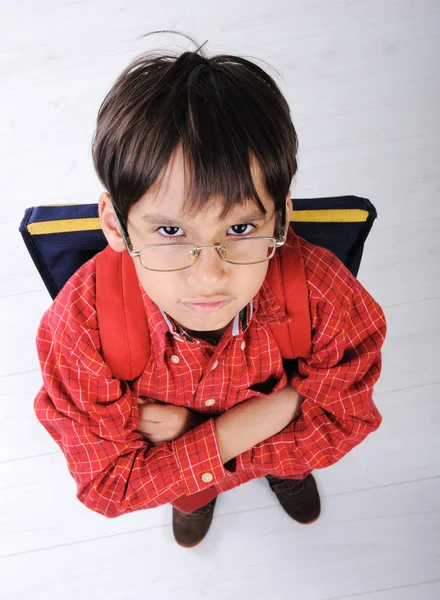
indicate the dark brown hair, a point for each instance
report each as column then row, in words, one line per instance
column 223, row 110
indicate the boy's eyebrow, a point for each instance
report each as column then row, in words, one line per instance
column 159, row 219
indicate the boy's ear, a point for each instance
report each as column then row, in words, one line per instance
column 109, row 224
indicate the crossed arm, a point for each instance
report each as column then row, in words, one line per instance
column 238, row 429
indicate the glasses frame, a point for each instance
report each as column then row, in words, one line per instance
column 280, row 241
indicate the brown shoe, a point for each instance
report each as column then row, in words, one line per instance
column 189, row 530
column 299, row 498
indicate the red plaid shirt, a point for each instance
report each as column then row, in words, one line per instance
column 93, row 417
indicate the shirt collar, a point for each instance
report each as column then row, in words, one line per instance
column 239, row 325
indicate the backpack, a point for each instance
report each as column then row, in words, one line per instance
column 60, row 238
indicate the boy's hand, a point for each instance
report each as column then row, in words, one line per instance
column 164, row 422
column 250, row 422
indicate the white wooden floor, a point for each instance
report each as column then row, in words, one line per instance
column 363, row 82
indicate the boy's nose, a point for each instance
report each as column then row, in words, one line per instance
column 208, row 270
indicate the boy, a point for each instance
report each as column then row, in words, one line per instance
column 202, row 151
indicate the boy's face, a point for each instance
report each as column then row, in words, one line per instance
column 209, row 276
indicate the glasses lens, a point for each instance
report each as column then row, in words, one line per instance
column 173, row 257
column 248, row 250
column 167, row 257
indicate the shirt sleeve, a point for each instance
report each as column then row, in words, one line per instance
column 93, row 418
column 336, row 382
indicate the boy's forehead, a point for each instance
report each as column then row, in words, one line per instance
column 167, row 197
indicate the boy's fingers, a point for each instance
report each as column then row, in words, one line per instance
column 147, row 418
column 151, row 412
column 155, row 412
column 151, row 438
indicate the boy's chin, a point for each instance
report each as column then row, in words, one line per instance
column 203, row 323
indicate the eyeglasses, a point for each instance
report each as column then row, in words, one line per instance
column 176, row 256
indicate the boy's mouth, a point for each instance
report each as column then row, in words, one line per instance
column 207, row 306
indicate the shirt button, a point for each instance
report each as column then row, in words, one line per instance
column 243, row 345
column 175, row 359
column 215, row 365
column 210, row 402
column 207, row 477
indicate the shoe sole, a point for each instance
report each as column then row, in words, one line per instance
column 191, row 546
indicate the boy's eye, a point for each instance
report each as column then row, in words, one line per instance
column 241, row 229
column 171, row 232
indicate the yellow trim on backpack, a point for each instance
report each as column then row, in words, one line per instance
column 64, row 226
column 331, row 215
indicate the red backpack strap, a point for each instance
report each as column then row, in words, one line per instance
column 287, row 279
column 122, row 322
